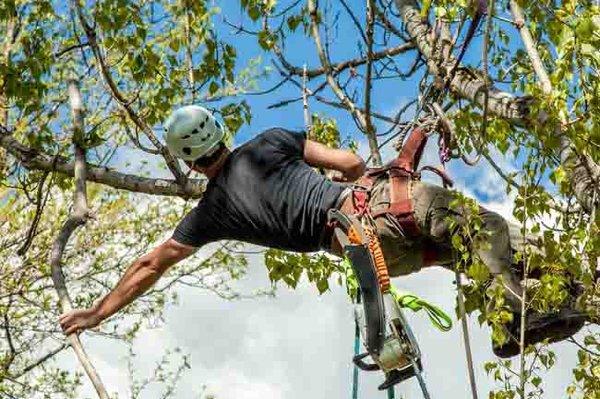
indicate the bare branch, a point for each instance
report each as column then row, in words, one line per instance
column 370, row 129
column 41, row 360
column 355, row 21
column 358, row 115
column 341, row 66
column 78, row 217
column 39, row 206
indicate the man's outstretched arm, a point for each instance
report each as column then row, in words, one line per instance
column 140, row 276
column 318, row 155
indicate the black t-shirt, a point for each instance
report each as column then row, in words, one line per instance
column 265, row 194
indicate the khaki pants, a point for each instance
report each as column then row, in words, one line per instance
column 431, row 203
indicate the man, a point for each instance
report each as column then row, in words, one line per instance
column 266, row 192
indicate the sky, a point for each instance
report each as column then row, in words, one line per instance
column 300, row 344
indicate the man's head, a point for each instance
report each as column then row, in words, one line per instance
column 193, row 134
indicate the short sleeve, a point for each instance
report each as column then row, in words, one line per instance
column 196, row 228
column 286, row 141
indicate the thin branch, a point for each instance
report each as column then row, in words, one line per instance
column 41, row 360
column 358, row 115
column 341, row 66
column 370, row 129
column 588, row 350
column 355, row 21
column 78, row 217
column 188, row 48
column 68, row 49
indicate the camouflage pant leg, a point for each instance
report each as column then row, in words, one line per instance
column 432, row 208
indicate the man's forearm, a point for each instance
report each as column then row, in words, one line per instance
column 137, row 279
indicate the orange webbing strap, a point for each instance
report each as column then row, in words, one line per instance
column 383, row 276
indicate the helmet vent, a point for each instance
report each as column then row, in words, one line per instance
column 202, row 125
column 195, row 131
column 187, row 150
column 187, row 136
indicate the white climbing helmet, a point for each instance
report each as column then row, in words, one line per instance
column 192, row 132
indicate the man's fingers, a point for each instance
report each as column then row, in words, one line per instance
column 72, row 329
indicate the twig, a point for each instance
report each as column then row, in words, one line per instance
column 40, row 202
column 591, row 352
column 355, row 21
column 41, row 360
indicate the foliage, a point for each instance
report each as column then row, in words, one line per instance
column 158, row 54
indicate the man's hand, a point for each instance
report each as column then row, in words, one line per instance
column 138, row 278
column 78, row 320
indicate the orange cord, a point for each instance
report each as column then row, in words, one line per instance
column 383, row 276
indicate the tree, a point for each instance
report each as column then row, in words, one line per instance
column 532, row 93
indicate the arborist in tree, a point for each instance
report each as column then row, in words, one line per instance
column 267, row 192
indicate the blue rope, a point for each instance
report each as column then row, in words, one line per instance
column 355, row 371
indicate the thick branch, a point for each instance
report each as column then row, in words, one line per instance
column 36, row 160
column 77, row 218
column 466, row 84
column 469, row 84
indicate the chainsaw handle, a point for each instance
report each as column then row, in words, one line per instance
column 358, row 361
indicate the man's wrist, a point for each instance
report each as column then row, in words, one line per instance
column 98, row 311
